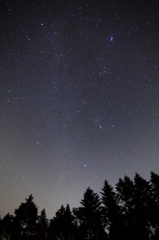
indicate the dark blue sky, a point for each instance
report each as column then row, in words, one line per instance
column 79, row 98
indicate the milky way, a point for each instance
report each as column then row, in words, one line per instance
column 79, row 98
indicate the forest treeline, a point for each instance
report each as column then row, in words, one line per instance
column 130, row 212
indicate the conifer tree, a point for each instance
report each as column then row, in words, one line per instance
column 42, row 226
column 62, row 225
column 125, row 195
column 89, row 216
column 111, row 211
column 155, row 204
column 6, row 227
column 26, row 217
column 141, row 208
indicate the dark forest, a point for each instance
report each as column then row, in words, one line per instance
column 130, row 212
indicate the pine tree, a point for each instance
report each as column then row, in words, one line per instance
column 62, row 225
column 155, row 204
column 111, row 211
column 125, row 195
column 42, row 226
column 6, row 227
column 134, row 198
column 89, row 215
column 26, row 217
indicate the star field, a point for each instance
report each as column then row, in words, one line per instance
column 79, row 98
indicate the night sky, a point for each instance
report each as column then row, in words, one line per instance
column 79, row 98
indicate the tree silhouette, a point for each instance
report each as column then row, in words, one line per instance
column 62, row 225
column 26, row 217
column 41, row 227
column 125, row 195
column 129, row 213
column 134, row 198
column 141, row 208
column 6, row 227
column 89, row 216
column 111, row 211
column 1, row 230
column 155, row 204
